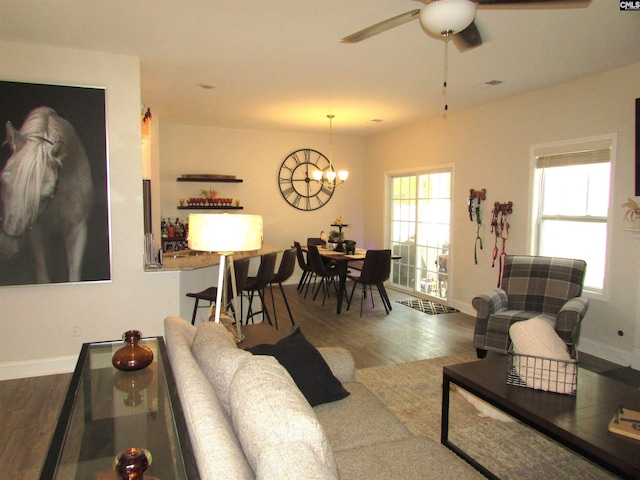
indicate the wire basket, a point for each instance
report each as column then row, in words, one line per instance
column 540, row 373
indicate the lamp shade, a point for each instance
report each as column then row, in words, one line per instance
column 441, row 16
column 224, row 232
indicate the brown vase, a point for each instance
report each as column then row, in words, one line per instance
column 132, row 356
column 130, row 464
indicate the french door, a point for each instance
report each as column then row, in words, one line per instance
column 419, row 226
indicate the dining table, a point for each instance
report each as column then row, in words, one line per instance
column 342, row 261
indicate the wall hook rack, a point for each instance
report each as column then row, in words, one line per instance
column 475, row 198
column 503, row 207
column 500, row 227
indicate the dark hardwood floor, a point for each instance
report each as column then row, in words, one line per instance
column 29, row 407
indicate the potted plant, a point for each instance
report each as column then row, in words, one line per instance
column 335, row 236
column 633, row 212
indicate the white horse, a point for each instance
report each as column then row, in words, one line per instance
column 47, row 189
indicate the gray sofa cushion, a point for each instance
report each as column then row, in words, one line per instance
column 268, row 410
column 414, row 458
column 341, row 362
column 210, row 430
column 292, row 461
column 218, row 357
column 360, row 419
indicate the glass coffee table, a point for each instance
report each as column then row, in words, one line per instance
column 107, row 411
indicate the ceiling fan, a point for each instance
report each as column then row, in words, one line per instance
column 449, row 18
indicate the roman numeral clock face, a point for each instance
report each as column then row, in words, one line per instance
column 296, row 181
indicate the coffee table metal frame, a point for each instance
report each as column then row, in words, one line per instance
column 578, row 422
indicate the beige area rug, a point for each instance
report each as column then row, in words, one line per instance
column 511, row 450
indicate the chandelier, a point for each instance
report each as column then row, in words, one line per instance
column 329, row 178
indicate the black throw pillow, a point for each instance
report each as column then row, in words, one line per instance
column 306, row 366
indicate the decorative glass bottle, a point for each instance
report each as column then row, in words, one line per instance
column 131, row 464
column 132, row 356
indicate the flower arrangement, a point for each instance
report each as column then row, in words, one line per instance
column 336, row 235
column 633, row 210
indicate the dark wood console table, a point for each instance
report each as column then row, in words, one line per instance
column 578, row 422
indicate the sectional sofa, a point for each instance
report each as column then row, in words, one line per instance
column 248, row 418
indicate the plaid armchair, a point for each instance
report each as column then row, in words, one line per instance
column 530, row 287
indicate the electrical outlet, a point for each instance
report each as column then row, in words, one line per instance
column 75, row 330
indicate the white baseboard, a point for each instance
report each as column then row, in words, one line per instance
column 606, row 352
column 38, row 368
column 465, row 308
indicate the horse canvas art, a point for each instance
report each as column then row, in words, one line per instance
column 47, row 192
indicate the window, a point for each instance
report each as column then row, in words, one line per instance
column 571, row 203
column 419, row 207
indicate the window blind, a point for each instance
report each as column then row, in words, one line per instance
column 587, row 153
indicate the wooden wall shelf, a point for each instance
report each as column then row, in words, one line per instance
column 192, row 207
column 207, row 179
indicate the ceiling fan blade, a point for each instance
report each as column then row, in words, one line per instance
column 383, row 26
column 468, row 38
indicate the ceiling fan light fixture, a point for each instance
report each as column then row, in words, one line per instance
column 444, row 17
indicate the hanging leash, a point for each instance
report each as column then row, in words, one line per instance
column 500, row 228
column 475, row 198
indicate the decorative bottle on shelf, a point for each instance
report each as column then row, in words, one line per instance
column 163, row 229
column 132, row 356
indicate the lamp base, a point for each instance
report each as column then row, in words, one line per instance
column 219, row 308
column 228, row 322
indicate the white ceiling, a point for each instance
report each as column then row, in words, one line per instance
column 280, row 65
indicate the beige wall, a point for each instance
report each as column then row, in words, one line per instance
column 36, row 321
column 489, row 147
column 256, row 156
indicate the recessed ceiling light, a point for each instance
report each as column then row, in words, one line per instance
column 206, row 86
column 489, row 84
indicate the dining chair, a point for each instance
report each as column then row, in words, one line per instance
column 326, row 272
column 241, row 270
column 307, row 273
column 285, row 270
column 258, row 284
column 315, row 241
column 376, row 269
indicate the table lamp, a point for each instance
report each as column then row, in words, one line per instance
column 225, row 234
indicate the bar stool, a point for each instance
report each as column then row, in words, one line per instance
column 241, row 269
column 258, row 284
column 285, row 270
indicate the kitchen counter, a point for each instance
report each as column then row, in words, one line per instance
column 193, row 259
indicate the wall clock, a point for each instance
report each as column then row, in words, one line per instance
column 296, row 185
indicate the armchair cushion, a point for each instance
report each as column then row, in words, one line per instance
column 541, row 284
